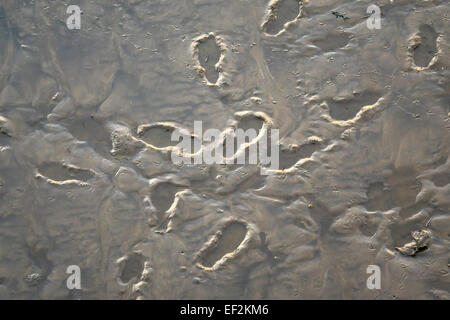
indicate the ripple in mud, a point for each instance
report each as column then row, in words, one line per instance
column 398, row 190
column 281, row 12
column 427, row 47
column 208, row 56
column 332, row 42
column 58, row 172
column 347, row 109
column 163, row 195
column 229, row 240
column 134, row 265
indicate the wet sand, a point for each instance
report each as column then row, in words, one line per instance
column 86, row 176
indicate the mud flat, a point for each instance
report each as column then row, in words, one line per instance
column 86, row 170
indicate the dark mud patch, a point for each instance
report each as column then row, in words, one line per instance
column 229, row 240
column 284, row 11
column 427, row 48
column 368, row 229
column 158, row 136
column 58, row 172
column 5, row 35
column 441, row 180
column 93, row 132
column 163, row 195
column 134, row 265
column 347, row 109
column 42, row 264
column 4, row 139
column 265, row 249
column 332, row 41
column 257, row 181
column 289, row 157
column 398, row 190
column 250, row 124
column 445, row 97
column 254, row 123
column 208, row 56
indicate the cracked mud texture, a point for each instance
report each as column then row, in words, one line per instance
column 85, row 171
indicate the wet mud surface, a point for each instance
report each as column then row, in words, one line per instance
column 281, row 12
column 86, row 177
column 209, row 55
column 427, row 48
column 228, row 241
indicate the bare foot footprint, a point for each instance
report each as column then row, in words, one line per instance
column 225, row 242
column 290, row 156
column 132, row 267
column 348, row 108
column 208, row 56
column 164, row 194
column 58, row 172
column 157, row 135
column 427, row 49
column 280, row 12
